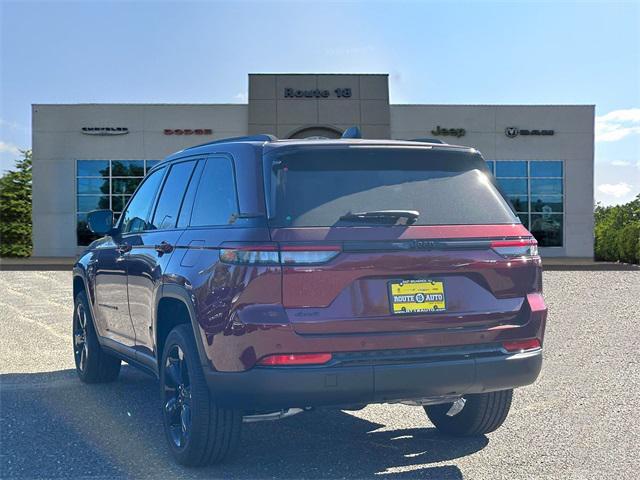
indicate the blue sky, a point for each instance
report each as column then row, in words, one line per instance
column 201, row 52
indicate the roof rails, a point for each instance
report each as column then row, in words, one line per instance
column 428, row 140
column 246, row 138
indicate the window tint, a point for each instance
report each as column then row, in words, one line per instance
column 135, row 217
column 173, row 190
column 318, row 187
column 215, row 200
column 187, row 203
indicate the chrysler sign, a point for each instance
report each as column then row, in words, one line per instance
column 105, row 130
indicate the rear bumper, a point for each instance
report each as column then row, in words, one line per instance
column 284, row 387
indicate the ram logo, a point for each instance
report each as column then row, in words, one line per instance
column 511, row 132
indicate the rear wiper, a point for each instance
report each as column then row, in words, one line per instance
column 383, row 215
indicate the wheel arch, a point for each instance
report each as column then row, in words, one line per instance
column 78, row 285
column 175, row 307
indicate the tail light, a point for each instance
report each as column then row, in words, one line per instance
column 521, row 345
column 269, row 254
column 306, row 255
column 254, row 255
column 296, row 359
column 527, row 247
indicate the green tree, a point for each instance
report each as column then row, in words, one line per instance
column 617, row 232
column 15, row 209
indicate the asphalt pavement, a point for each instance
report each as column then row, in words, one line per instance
column 580, row 420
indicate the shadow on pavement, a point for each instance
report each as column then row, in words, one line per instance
column 54, row 426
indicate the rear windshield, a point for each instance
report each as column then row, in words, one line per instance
column 324, row 186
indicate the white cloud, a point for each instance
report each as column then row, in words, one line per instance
column 620, row 163
column 9, row 148
column 617, row 125
column 242, row 97
column 615, row 189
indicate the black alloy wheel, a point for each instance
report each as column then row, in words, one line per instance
column 80, row 346
column 177, row 396
column 93, row 364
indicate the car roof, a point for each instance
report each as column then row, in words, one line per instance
column 269, row 142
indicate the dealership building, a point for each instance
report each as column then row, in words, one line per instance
column 90, row 156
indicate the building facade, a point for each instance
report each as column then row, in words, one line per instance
column 89, row 156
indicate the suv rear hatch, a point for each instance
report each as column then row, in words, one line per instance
column 383, row 238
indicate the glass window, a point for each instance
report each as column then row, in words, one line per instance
column 166, row 214
column 511, row 169
column 546, row 203
column 524, row 218
column 546, row 186
column 510, row 186
column 134, row 219
column 151, row 163
column 547, row 228
column 92, row 168
column 215, row 200
column 187, row 203
column 112, row 180
column 322, row 187
column 537, row 198
column 118, row 202
column 86, row 203
column 546, row 169
column 124, row 186
column 92, row 186
column 520, row 202
column 491, row 165
column 127, row 168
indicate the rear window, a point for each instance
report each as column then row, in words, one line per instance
column 321, row 187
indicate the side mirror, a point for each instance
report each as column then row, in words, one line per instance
column 100, row 221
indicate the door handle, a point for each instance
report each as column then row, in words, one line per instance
column 124, row 248
column 164, row 247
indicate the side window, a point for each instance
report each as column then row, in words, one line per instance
column 187, row 203
column 215, row 201
column 166, row 214
column 134, row 219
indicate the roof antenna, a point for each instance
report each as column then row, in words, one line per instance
column 352, row 132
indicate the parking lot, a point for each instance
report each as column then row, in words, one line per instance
column 580, row 420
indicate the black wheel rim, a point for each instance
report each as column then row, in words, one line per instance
column 80, row 347
column 177, row 396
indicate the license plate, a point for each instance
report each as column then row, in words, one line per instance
column 416, row 296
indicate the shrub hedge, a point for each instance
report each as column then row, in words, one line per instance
column 617, row 232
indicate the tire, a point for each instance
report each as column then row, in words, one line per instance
column 93, row 364
column 482, row 413
column 198, row 431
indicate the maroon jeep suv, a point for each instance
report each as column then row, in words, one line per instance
column 258, row 278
